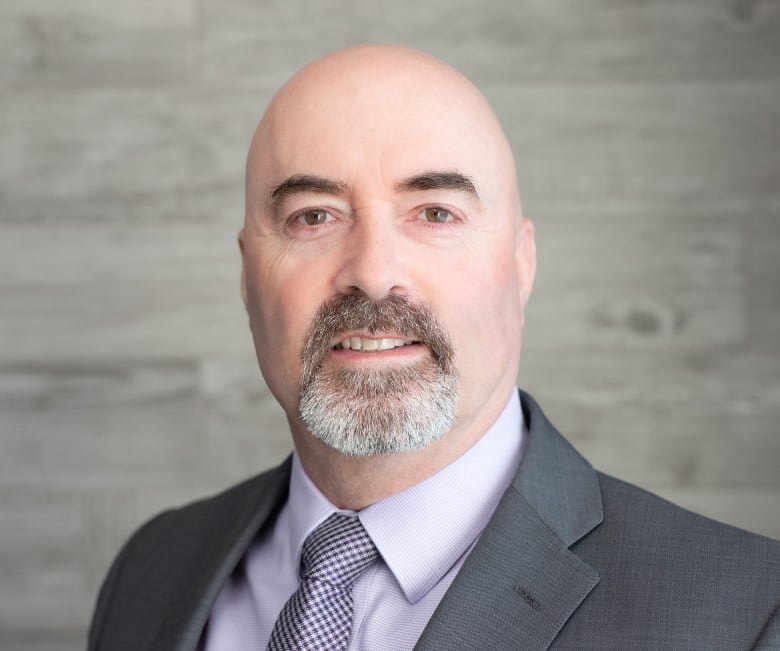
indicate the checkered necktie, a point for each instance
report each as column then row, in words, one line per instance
column 319, row 615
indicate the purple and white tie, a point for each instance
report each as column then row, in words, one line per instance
column 319, row 615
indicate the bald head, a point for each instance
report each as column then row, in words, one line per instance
column 400, row 110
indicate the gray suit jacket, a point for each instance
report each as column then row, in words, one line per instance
column 572, row 559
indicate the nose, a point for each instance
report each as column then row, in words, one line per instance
column 372, row 259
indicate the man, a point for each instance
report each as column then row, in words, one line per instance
column 386, row 267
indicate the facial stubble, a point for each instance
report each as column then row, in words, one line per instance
column 371, row 411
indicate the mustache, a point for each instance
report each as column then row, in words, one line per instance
column 395, row 313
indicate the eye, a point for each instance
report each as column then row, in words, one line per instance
column 436, row 215
column 312, row 217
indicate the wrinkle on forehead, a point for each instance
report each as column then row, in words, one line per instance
column 376, row 97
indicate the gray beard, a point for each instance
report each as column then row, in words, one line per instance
column 368, row 412
column 363, row 412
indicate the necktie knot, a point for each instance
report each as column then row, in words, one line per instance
column 318, row 617
column 337, row 551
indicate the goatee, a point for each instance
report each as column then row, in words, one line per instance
column 378, row 411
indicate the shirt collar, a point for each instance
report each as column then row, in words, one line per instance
column 423, row 531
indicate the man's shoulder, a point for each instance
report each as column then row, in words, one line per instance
column 635, row 513
column 628, row 514
column 216, row 512
column 181, row 555
column 705, row 580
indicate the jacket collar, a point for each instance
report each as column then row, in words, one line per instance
column 556, row 481
column 241, row 511
column 521, row 583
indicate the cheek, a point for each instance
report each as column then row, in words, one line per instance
column 485, row 316
column 281, row 305
column 284, row 317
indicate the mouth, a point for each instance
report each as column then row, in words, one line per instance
column 352, row 332
column 364, row 344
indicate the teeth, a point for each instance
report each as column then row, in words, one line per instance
column 369, row 344
column 372, row 345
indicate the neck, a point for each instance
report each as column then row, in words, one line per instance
column 355, row 482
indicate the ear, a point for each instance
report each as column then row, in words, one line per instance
column 525, row 258
column 243, row 267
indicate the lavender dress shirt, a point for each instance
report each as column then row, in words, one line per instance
column 423, row 536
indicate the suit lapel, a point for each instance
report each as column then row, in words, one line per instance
column 521, row 584
column 234, row 524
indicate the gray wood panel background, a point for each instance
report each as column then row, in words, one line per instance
column 647, row 134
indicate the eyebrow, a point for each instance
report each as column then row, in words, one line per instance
column 438, row 181
column 300, row 183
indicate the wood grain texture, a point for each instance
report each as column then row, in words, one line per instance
column 647, row 138
column 570, row 40
column 87, row 43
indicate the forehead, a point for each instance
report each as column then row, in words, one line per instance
column 379, row 131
